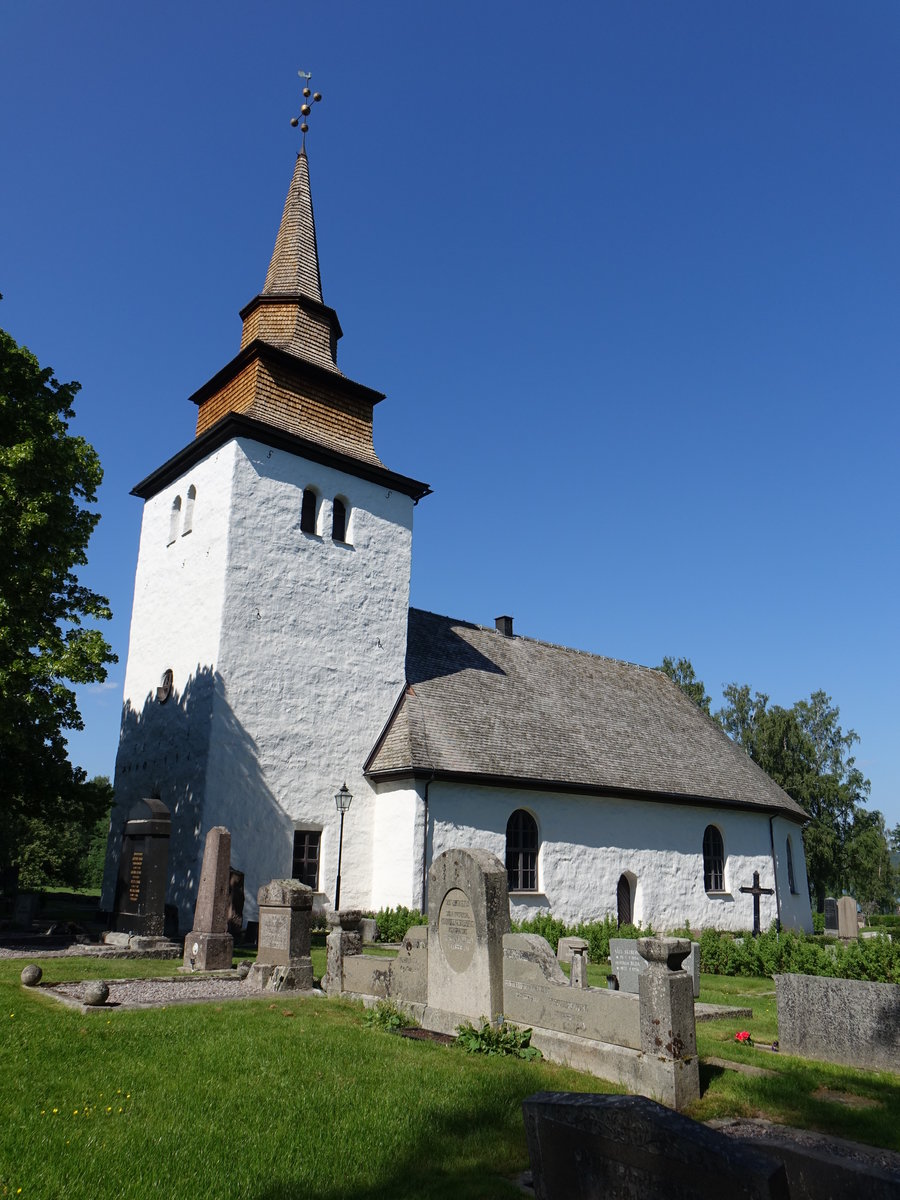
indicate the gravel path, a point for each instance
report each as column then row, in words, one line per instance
column 146, row 993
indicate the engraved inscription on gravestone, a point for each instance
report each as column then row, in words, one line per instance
column 274, row 930
column 831, row 915
column 456, row 929
column 134, row 880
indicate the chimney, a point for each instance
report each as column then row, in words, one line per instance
column 504, row 626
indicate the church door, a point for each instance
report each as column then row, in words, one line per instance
column 623, row 901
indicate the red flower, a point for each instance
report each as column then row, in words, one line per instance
column 744, row 1036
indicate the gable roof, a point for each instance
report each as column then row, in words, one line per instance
column 485, row 707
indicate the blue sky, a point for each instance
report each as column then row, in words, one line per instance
column 628, row 274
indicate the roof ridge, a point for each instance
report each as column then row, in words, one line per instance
column 522, row 637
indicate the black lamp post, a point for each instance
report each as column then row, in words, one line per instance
column 342, row 804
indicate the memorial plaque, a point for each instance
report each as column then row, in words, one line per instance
column 456, row 929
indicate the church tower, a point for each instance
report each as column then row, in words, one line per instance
column 268, row 632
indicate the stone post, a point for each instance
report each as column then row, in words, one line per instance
column 668, row 1031
column 578, row 976
column 209, row 946
column 344, row 939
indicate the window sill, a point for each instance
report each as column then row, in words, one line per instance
column 530, row 894
column 720, row 895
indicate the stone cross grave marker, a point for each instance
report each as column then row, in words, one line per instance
column 831, row 916
column 209, row 946
column 141, row 886
column 468, row 914
column 848, row 925
column 756, row 891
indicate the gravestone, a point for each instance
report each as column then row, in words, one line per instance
column 854, row 1022
column 585, row 1145
column 344, row 940
column 468, row 914
column 567, row 946
column 25, row 909
column 234, row 915
column 831, row 916
column 282, row 956
column 627, row 965
column 209, row 947
column 848, row 926
column 141, row 884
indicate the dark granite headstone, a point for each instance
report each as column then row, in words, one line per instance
column 25, row 909
column 585, row 1145
column 141, row 885
column 234, row 915
column 628, row 966
column 831, row 916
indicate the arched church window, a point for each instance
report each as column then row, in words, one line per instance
column 790, row 866
column 308, row 511
column 521, row 852
column 339, row 520
column 173, row 520
column 713, row 860
column 189, row 511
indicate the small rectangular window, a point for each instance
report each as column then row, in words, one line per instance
column 306, row 857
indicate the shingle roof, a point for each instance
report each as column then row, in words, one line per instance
column 482, row 705
column 294, row 268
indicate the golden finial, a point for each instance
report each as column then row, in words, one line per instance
column 305, row 107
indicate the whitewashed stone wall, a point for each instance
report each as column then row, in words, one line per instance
column 586, row 843
column 300, row 644
column 176, row 623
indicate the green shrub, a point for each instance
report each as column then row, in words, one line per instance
column 386, row 1015
column 789, row 952
column 595, row 933
column 496, row 1039
column 545, row 926
column 818, row 922
column 394, row 922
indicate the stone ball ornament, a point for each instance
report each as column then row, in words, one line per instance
column 96, row 993
column 31, row 975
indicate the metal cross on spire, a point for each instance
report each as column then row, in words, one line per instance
column 305, row 107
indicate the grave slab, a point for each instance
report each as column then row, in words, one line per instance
column 583, row 1146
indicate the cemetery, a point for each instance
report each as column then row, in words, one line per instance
column 647, row 1067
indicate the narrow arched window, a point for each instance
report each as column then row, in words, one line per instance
column 339, row 520
column 790, row 865
column 713, row 860
column 173, row 520
column 308, row 511
column 189, row 511
column 521, row 852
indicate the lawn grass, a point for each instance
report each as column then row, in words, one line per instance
column 286, row 1097
column 240, row 1099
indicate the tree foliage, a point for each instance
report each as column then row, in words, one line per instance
column 48, row 476
column 807, row 752
column 681, row 672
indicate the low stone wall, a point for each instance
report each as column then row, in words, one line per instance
column 848, row 1021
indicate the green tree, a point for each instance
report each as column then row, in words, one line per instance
column 47, row 478
column 805, row 750
column 872, row 877
column 681, row 672
column 65, row 847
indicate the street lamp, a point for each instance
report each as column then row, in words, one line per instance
column 342, row 804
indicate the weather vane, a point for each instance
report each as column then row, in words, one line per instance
column 305, row 107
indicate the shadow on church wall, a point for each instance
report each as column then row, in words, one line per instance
column 192, row 753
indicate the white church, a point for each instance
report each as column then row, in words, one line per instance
column 274, row 657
